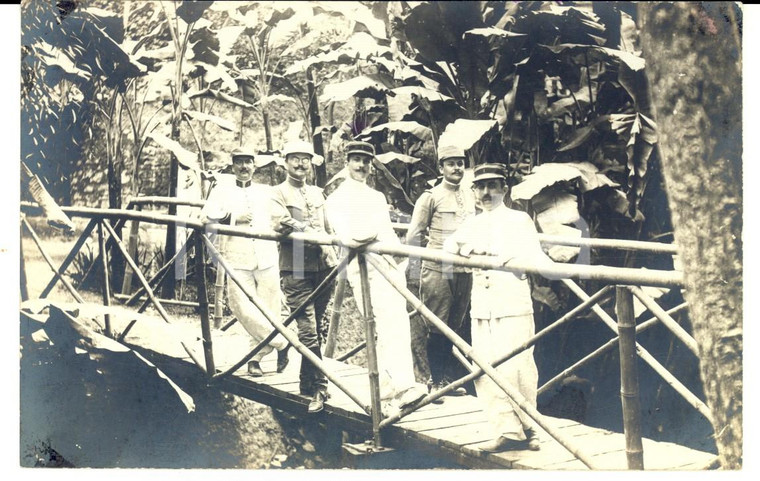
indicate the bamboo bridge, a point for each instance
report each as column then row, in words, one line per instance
column 449, row 430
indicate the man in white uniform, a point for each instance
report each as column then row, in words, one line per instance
column 240, row 202
column 358, row 213
column 501, row 307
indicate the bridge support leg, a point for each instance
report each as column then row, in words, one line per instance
column 374, row 376
column 629, row 378
column 200, row 282
column 332, row 329
column 106, row 287
column 219, row 297
column 134, row 234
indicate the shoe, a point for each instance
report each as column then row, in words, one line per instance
column 410, row 397
column 434, row 387
column 534, row 444
column 254, row 369
column 502, row 444
column 282, row 359
column 460, row 391
column 317, row 403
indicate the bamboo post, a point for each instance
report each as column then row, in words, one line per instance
column 629, row 378
column 56, row 274
column 374, row 374
column 291, row 336
column 134, row 231
column 106, row 287
column 607, row 346
column 219, row 298
column 648, row 358
column 510, row 391
column 109, row 242
column 668, row 321
column 200, row 282
column 70, row 257
column 332, row 330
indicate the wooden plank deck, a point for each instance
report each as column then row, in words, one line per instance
column 450, row 430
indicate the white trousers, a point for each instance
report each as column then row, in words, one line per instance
column 394, row 351
column 492, row 338
column 265, row 283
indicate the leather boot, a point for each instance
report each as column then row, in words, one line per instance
column 282, row 359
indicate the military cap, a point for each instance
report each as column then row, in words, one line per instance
column 243, row 151
column 298, row 147
column 450, row 152
column 359, row 147
column 489, row 171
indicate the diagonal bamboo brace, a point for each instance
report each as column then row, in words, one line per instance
column 291, row 336
column 510, row 391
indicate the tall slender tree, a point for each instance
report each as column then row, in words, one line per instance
column 694, row 53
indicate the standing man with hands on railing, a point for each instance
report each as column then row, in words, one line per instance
column 444, row 288
column 359, row 214
column 298, row 207
column 501, row 307
column 244, row 203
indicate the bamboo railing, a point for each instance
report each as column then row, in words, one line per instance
column 624, row 283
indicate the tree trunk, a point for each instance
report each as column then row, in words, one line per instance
column 171, row 229
column 114, row 202
column 315, row 121
column 693, row 54
column 267, row 127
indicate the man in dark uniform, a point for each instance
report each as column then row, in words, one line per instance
column 298, row 207
column 444, row 288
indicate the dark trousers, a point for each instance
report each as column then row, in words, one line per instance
column 296, row 289
column 447, row 294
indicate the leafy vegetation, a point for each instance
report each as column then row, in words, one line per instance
column 556, row 93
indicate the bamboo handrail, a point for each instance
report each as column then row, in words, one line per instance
column 700, row 406
column 666, row 320
column 591, row 242
column 498, row 378
column 286, row 333
column 623, row 244
column 619, row 275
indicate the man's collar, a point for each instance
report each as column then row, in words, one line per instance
column 449, row 185
column 354, row 182
column 295, row 182
column 243, row 183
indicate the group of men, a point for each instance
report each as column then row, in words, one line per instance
column 498, row 302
